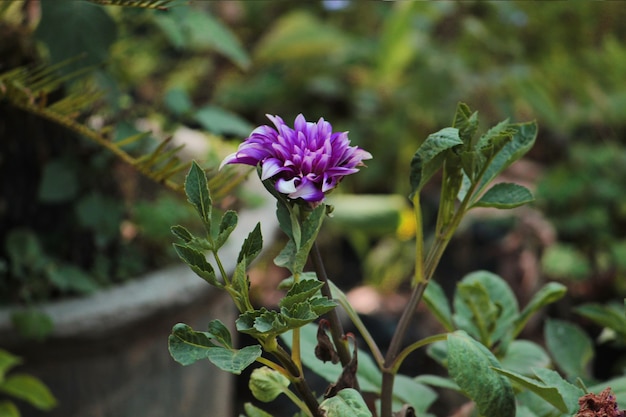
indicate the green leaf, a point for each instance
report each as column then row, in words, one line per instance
column 430, row 155
column 438, row 304
column 299, row 36
column 300, row 291
column 7, row 362
column 178, row 101
column 495, row 316
column 222, row 122
column 505, row 196
column 570, row 347
column 72, row 278
column 182, row 233
column 187, row 346
column 32, row 324
column 251, row 246
column 523, row 139
column 310, row 228
column 470, row 365
column 437, row 381
column 347, row 402
column 549, row 386
column 495, row 139
column 548, row 294
column 266, row 384
column 72, row 29
column 610, row 316
column 102, row 214
column 198, row 264
column 233, row 360
column 240, row 285
column 253, row 411
column 523, row 355
column 466, row 122
column 8, row 409
column 262, row 322
column 565, row 261
column 198, row 194
column 29, row 389
column 412, row 392
column 286, row 257
column 220, row 333
column 227, row 225
column 194, row 28
column 58, row 182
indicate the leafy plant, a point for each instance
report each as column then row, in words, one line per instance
column 21, row 386
column 480, row 350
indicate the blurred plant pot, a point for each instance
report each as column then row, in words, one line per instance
column 108, row 356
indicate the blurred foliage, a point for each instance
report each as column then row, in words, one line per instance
column 84, row 96
column 583, row 197
column 389, row 72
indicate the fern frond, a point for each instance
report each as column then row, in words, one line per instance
column 145, row 4
column 29, row 89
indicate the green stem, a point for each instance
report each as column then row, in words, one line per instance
column 414, row 346
column 298, row 381
column 336, row 329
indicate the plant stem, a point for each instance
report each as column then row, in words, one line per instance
column 336, row 329
column 298, row 381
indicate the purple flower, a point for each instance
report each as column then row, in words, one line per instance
column 304, row 162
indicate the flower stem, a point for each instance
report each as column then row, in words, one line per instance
column 298, row 381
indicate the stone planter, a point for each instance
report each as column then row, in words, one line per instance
column 108, row 356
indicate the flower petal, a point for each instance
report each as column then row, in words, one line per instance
column 307, row 191
column 286, row 187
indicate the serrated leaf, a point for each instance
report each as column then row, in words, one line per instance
column 466, row 122
column 266, row 384
column 549, row 393
column 300, row 291
column 233, row 360
column 298, row 315
column 499, row 295
column 310, row 228
column 286, row 257
column 505, row 196
column 240, row 286
column 29, row 389
column 198, row 263
column 570, row 347
column 288, row 282
column 251, row 246
column 348, row 402
column 187, row 346
column 182, row 233
column 322, row 305
column 522, row 140
column 262, row 322
column 548, row 294
column 430, row 155
column 438, row 304
column 470, row 365
column 227, row 225
column 198, row 194
column 495, row 139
